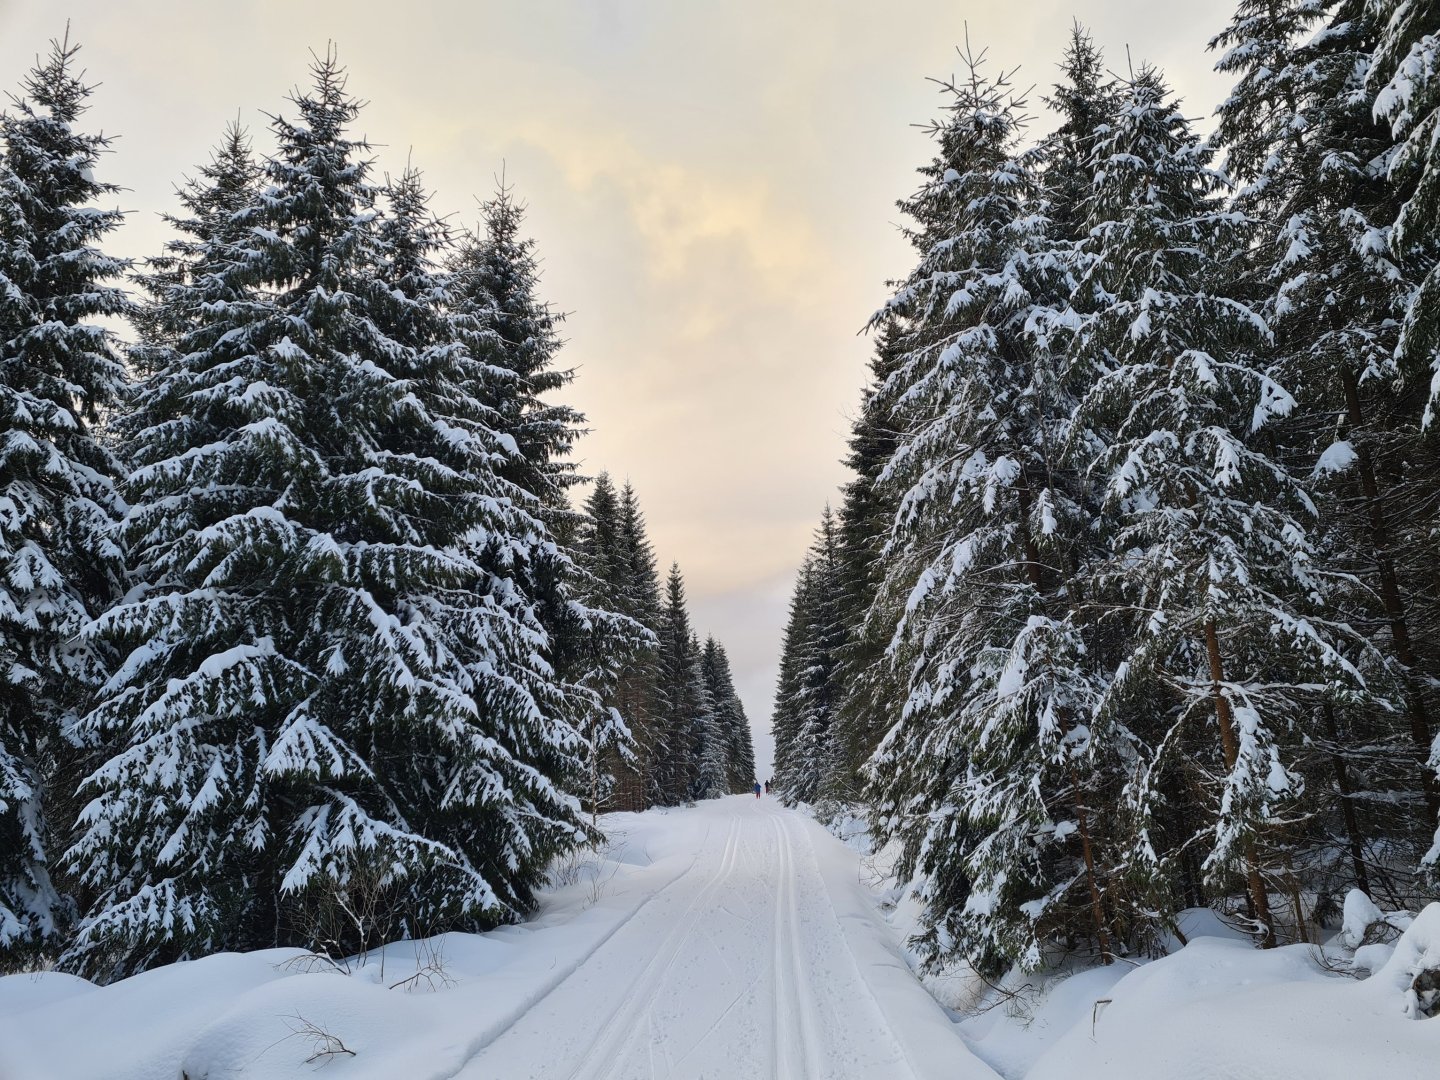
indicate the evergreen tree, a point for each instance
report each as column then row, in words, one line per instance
column 1085, row 101
column 331, row 688
column 710, row 747
column 730, row 719
column 619, row 642
column 210, row 220
column 683, row 708
column 1304, row 147
column 811, row 766
column 870, row 695
column 638, row 690
column 497, row 282
column 1406, row 74
column 59, row 375
column 1210, row 547
column 1404, row 78
column 981, row 778
column 787, row 723
column 601, row 540
column 494, row 289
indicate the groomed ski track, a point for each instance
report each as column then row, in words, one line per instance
column 764, row 958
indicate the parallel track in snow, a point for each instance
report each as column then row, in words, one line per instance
column 795, row 1051
column 606, row 1053
column 745, row 966
column 833, row 918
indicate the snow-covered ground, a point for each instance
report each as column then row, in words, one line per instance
column 735, row 939
column 729, row 940
column 1216, row 1009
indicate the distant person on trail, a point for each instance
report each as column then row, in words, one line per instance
column 757, row 789
column 767, row 787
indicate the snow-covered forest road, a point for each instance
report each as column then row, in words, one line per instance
column 732, row 940
column 761, row 958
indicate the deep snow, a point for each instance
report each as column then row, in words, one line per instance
column 734, row 939
column 698, row 937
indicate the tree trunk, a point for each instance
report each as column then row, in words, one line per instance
column 1033, row 569
column 1231, row 746
column 1097, row 911
column 594, row 775
column 1347, row 803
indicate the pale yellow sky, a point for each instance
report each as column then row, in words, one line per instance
column 711, row 184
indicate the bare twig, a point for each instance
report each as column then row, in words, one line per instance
column 429, row 966
column 1095, row 1013
column 323, row 1045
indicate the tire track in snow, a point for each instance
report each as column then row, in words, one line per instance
column 605, row 1054
column 795, row 1051
column 498, row 1030
column 834, row 918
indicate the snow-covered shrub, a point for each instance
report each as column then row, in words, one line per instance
column 1413, row 972
column 1365, row 924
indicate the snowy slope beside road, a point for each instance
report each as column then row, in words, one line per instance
column 729, row 940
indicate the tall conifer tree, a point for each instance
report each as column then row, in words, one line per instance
column 982, row 778
column 1307, row 153
column 1211, row 545
column 59, row 374
column 331, row 683
column 811, row 765
column 1406, row 77
column 730, row 719
column 683, row 708
column 870, row 694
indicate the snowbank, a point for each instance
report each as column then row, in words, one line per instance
column 413, row 1009
column 1222, row 1008
column 1217, row 1009
column 1410, row 981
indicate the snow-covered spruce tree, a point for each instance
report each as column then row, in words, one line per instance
column 870, row 695
column 811, row 766
column 638, row 689
column 495, row 282
column 601, row 541
column 1261, row 122
column 1303, row 145
column 1210, row 545
column 1404, row 76
column 980, row 778
column 683, row 709
column 618, row 642
column 209, row 220
column 59, row 567
column 597, row 550
column 730, row 719
column 1085, row 101
column 711, row 751
column 331, row 692
column 786, row 721
column 498, row 281
column 461, row 374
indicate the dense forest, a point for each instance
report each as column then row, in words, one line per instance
column 303, row 637
column 1130, row 604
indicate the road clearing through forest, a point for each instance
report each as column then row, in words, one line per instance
column 732, row 940
column 765, row 958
